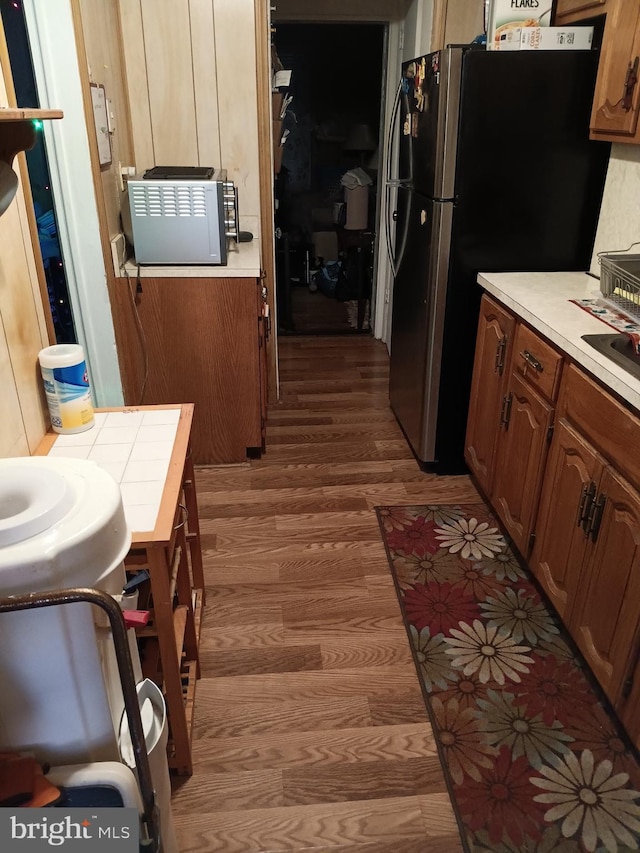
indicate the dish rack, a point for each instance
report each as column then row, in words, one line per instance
column 620, row 281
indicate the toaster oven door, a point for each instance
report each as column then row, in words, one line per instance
column 177, row 222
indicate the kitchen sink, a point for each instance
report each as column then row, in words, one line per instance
column 618, row 348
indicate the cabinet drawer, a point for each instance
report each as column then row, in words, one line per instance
column 606, row 423
column 537, row 362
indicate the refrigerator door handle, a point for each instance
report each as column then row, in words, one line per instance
column 387, row 228
column 389, row 179
column 401, row 239
column 390, row 133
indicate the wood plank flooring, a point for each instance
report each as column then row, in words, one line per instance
column 310, row 730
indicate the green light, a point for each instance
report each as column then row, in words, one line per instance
column 37, row 124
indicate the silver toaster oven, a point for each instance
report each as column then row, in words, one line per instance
column 182, row 215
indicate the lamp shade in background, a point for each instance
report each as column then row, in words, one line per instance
column 360, row 138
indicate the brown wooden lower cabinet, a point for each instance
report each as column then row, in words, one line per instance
column 587, row 521
column 558, row 553
column 492, row 356
column 604, row 620
column 587, row 553
column 522, row 452
column 198, row 340
column 515, row 381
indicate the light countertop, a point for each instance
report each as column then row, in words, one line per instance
column 243, row 261
column 542, row 300
column 134, row 446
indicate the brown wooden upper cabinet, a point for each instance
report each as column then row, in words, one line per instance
column 617, row 96
column 616, row 100
column 570, row 11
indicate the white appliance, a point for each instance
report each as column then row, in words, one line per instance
column 182, row 215
column 62, row 525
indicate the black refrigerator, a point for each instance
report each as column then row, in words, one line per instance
column 496, row 173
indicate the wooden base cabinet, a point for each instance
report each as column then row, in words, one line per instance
column 492, row 355
column 561, row 538
column 201, row 341
column 515, row 381
column 522, row 452
column 579, row 494
column 587, row 553
column 605, row 618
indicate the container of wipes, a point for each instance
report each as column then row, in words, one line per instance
column 66, row 386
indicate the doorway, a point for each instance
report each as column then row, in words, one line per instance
column 327, row 186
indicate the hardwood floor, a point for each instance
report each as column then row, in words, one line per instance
column 310, row 729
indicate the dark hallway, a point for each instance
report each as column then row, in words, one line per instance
column 326, row 188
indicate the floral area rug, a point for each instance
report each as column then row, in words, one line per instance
column 534, row 761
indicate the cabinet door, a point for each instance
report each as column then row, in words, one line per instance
column 615, row 107
column 522, row 451
column 572, row 471
column 578, row 10
column 197, row 342
column 493, row 348
column 605, row 618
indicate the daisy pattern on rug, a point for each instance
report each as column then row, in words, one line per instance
column 591, row 802
column 519, row 613
column 415, row 538
column 483, row 649
column 465, row 750
column 431, row 654
column 502, row 801
column 508, row 724
column 556, row 690
column 438, row 606
column 503, row 566
column 470, row 538
column 411, row 568
column 535, row 760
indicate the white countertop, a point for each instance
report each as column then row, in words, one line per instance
column 135, row 448
column 542, row 300
column 243, row 261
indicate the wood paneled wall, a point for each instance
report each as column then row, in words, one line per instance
column 23, row 330
column 103, row 48
column 190, row 78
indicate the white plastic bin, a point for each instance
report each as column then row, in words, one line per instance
column 156, row 733
column 62, row 525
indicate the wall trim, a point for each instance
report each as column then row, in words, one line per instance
column 53, row 48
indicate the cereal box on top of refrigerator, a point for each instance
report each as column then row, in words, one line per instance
column 505, row 15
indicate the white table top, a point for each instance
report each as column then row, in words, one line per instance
column 542, row 299
column 135, row 448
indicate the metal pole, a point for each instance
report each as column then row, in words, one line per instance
column 127, row 679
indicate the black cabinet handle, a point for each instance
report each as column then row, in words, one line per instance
column 505, row 412
column 585, row 506
column 500, row 350
column 630, row 82
column 532, row 360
